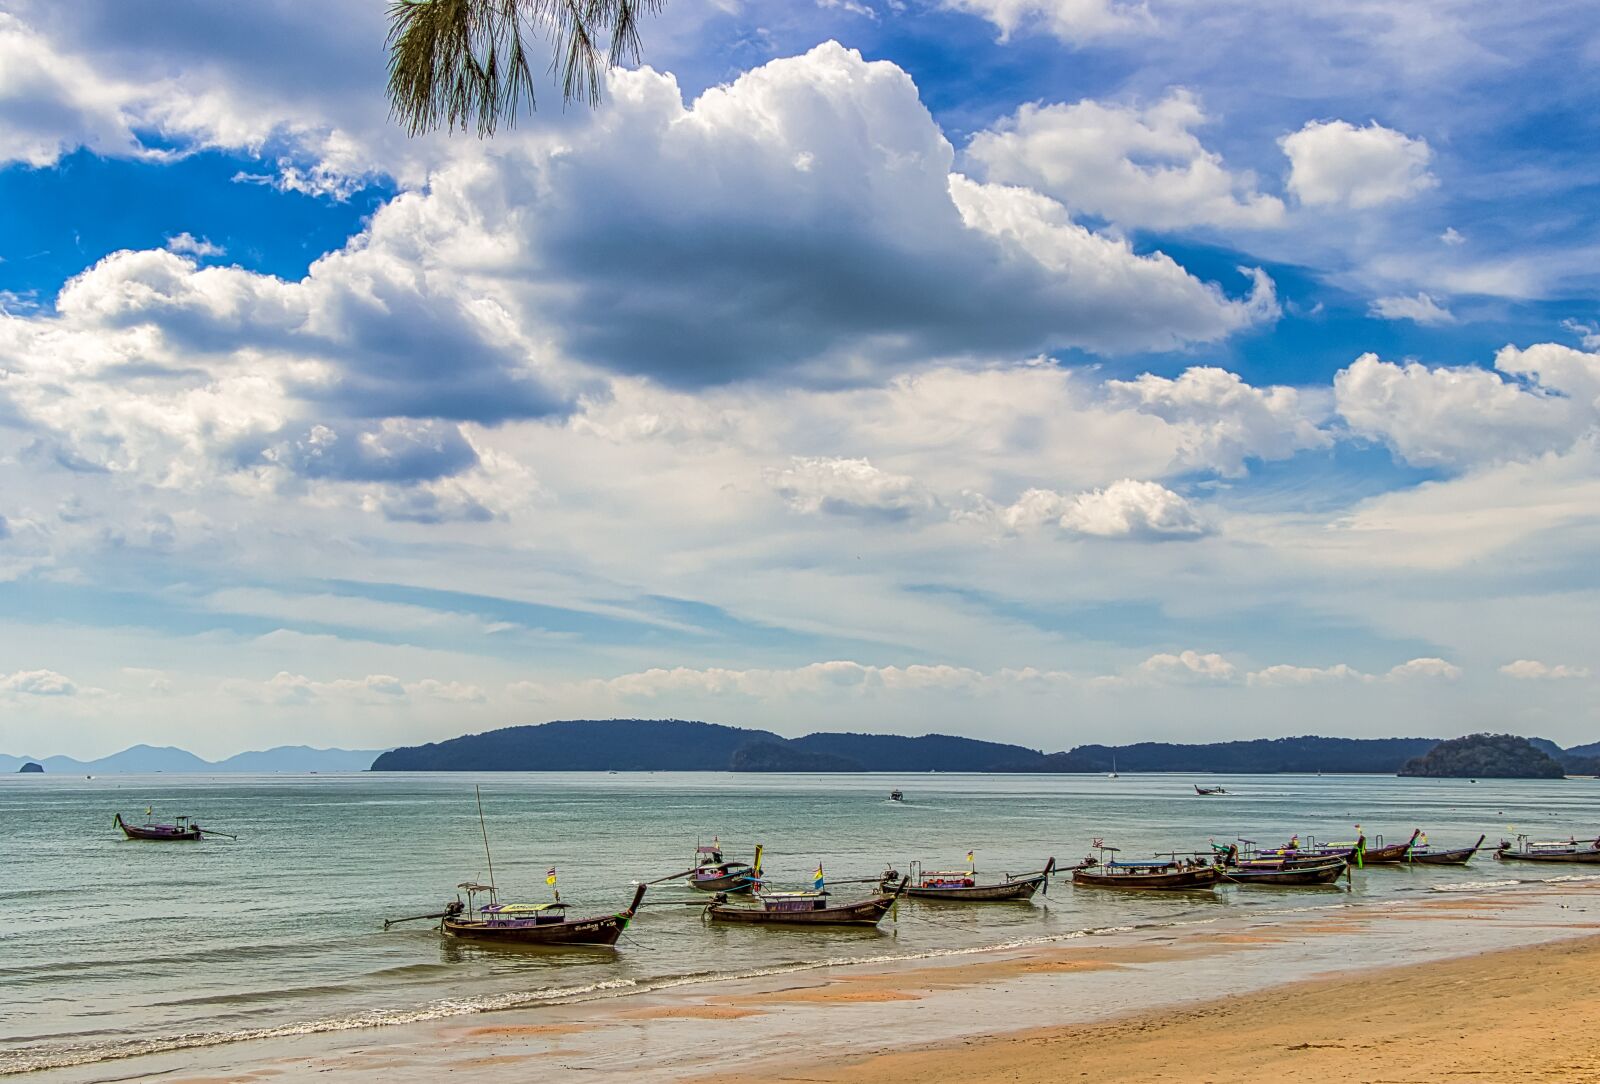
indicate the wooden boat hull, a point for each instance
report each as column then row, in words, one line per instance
column 733, row 883
column 158, row 833
column 1016, row 888
column 866, row 913
column 1587, row 856
column 587, row 931
column 1288, row 875
column 1023, row 889
column 1460, row 856
column 1390, row 855
column 1171, row 881
column 601, row 930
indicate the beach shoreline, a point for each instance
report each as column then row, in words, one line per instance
column 879, row 1018
column 1513, row 1014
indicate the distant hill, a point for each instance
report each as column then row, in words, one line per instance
column 676, row 745
column 31, row 768
column 146, row 759
column 1485, row 756
column 595, row 745
column 1303, row 754
column 929, row 753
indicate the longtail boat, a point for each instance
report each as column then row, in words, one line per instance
column 714, row 873
column 1422, row 855
column 531, row 923
column 1198, row 789
column 1159, row 874
column 1275, row 858
column 1383, row 854
column 809, row 908
column 1311, row 851
column 523, row 924
column 961, row 886
column 1286, row 872
column 1567, row 850
column 181, row 830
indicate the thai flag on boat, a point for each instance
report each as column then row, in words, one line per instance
column 550, row 876
column 1098, row 842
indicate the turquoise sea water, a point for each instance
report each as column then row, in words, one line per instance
column 110, row 947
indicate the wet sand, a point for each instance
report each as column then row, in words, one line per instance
column 1514, row 1015
column 1492, row 987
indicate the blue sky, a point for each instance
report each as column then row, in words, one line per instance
column 1051, row 371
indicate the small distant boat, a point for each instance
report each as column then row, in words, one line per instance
column 1568, row 850
column 714, row 873
column 1423, row 855
column 809, row 908
column 531, row 923
column 1158, row 874
column 1112, row 774
column 181, row 830
column 896, row 796
column 962, row 886
column 1198, row 789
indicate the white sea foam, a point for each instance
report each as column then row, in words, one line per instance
column 1473, row 886
column 25, row 1060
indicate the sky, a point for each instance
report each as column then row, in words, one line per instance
column 1045, row 371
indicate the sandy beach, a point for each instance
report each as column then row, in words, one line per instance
column 1523, row 1014
column 1495, row 986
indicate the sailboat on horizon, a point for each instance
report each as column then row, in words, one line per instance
column 1112, row 774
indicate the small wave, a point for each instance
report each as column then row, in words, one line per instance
column 1474, row 886
column 1567, row 878
column 25, row 1060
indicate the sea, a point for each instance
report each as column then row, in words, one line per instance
column 111, row 948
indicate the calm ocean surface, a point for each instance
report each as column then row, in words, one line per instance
column 110, row 947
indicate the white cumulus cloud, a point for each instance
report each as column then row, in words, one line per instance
column 1466, row 415
column 1427, row 668
column 1533, row 670
column 1131, row 508
column 852, row 487
column 38, row 683
column 1223, row 420
column 1136, row 167
column 1334, row 163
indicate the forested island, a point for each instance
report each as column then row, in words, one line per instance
column 1485, row 756
column 683, row 745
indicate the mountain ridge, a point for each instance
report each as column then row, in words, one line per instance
column 151, row 758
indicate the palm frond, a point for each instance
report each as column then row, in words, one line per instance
column 465, row 63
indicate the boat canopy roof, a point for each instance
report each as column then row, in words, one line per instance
column 472, row 886
column 522, row 908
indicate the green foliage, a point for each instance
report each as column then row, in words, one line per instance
column 1485, row 756
column 465, row 63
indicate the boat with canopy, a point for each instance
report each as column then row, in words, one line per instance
column 1561, row 850
column 483, row 917
column 1175, row 872
column 811, row 907
column 963, row 886
column 181, row 830
column 531, row 923
column 713, row 872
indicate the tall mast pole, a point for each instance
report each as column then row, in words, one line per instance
column 487, row 856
